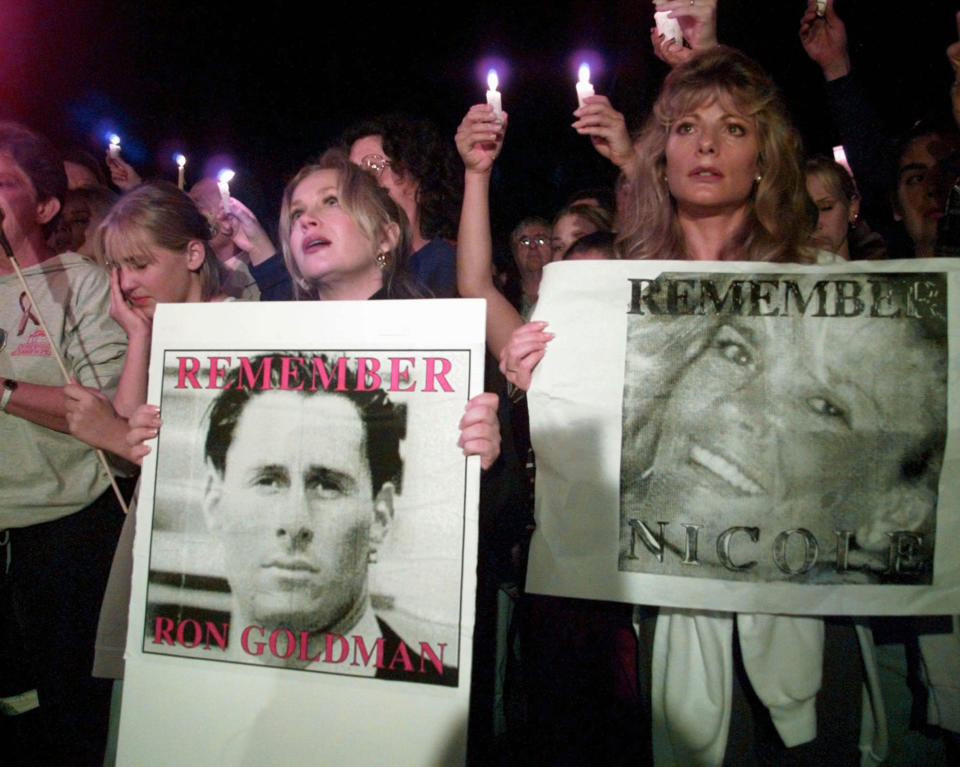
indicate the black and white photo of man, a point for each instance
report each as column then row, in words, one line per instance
column 298, row 493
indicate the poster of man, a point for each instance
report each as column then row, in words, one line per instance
column 305, row 553
column 784, row 427
column 295, row 476
column 762, row 437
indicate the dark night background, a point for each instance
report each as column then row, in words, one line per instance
column 271, row 85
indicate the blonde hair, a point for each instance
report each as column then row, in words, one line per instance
column 834, row 177
column 156, row 214
column 371, row 209
column 778, row 220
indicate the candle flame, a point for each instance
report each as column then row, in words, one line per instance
column 181, row 160
column 492, row 80
column 585, row 73
column 226, row 175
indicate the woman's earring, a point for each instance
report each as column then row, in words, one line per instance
column 758, row 179
column 382, row 260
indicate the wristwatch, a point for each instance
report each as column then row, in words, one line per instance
column 9, row 387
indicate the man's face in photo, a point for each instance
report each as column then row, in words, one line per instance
column 294, row 510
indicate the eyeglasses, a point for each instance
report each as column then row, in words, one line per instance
column 375, row 163
column 533, row 242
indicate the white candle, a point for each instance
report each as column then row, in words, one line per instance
column 821, row 7
column 493, row 95
column 114, row 148
column 223, row 181
column 584, row 88
column 667, row 27
column 181, row 164
column 840, row 157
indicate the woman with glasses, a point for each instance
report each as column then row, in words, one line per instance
column 414, row 163
column 530, row 245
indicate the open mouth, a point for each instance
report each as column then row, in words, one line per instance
column 315, row 244
column 726, row 470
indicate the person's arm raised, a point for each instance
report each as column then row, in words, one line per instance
column 249, row 235
column 698, row 22
column 608, row 132
column 479, row 140
column 122, row 174
column 824, row 38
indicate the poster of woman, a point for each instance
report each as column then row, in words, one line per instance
column 794, row 432
column 752, row 437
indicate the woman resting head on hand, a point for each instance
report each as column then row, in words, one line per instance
column 158, row 244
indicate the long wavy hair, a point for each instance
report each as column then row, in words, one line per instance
column 372, row 210
column 157, row 213
column 778, row 220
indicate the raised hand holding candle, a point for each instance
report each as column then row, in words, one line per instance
column 114, row 148
column 223, row 181
column 668, row 28
column 493, row 95
column 181, row 164
column 584, row 88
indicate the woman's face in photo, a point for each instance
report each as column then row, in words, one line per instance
column 781, row 423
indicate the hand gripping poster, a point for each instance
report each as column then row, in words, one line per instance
column 749, row 437
column 305, row 553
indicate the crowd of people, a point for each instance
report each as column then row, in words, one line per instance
column 716, row 173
